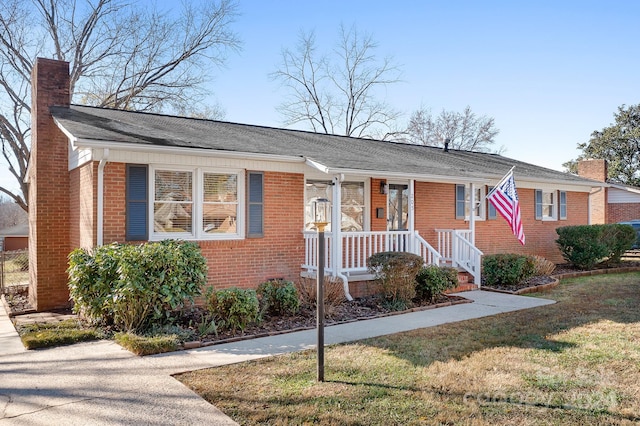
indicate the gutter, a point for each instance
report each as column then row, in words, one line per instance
column 100, row 224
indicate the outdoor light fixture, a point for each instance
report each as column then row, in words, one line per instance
column 321, row 213
column 384, row 188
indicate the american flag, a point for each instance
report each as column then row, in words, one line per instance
column 504, row 198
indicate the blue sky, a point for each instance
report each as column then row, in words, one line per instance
column 548, row 72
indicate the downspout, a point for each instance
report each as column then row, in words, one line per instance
column 336, row 231
column 100, row 207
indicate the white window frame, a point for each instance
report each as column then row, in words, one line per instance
column 197, row 186
column 554, row 204
column 480, row 204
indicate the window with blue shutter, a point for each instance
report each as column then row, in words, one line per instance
column 460, row 202
column 255, row 205
column 137, row 192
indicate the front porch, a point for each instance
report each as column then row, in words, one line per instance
column 346, row 254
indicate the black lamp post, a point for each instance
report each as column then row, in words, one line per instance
column 321, row 208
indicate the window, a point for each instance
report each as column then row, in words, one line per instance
column 136, row 228
column 352, row 200
column 196, row 204
column 563, row 205
column 463, row 201
column 546, row 205
column 255, row 210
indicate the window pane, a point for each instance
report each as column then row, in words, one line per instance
column 353, row 206
column 173, row 186
column 220, row 188
column 172, row 217
column 220, row 203
column 315, row 189
column 172, row 208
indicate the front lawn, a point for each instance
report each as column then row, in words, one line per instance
column 574, row 362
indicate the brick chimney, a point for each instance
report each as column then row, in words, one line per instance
column 596, row 169
column 49, row 243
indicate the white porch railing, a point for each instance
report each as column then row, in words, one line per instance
column 357, row 247
column 456, row 248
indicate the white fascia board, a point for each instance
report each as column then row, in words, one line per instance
column 198, row 152
column 625, row 188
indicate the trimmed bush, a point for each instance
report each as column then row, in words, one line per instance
column 507, row 268
column 395, row 274
column 433, row 280
column 278, row 298
column 134, row 287
column 233, row 308
column 587, row 245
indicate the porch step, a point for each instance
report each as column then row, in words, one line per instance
column 465, row 283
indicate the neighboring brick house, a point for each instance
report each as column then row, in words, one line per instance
column 613, row 203
column 245, row 193
column 14, row 238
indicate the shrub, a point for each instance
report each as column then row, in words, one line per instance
column 542, row 266
column 395, row 274
column 333, row 293
column 135, row 287
column 619, row 238
column 278, row 297
column 507, row 268
column 587, row 245
column 233, row 308
column 433, row 280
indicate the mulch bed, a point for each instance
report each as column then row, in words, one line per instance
column 17, row 303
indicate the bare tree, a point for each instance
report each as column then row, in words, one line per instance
column 11, row 214
column 464, row 130
column 122, row 55
column 337, row 93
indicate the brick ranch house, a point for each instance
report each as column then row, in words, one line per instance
column 244, row 194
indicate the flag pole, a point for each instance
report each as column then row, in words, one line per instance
column 499, row 183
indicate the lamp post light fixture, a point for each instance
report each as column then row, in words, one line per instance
column 322, row 212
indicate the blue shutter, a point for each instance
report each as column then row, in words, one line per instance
column 137, row 228
column 255, row 210
column 563, row 204
column 491, row 210
column 460, row 202
column 538, row 204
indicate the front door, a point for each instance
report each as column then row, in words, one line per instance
column 398, row 207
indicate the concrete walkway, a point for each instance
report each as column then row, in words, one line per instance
column 100, row 383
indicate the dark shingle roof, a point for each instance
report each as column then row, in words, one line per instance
column 334, row 152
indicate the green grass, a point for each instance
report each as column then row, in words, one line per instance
column 45, row 335
column 574, row 362
column 148, row 345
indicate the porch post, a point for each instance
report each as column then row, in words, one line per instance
column 472, row 213
column 336, row 226
column 411, row 219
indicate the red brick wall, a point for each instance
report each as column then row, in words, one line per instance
column 241, row 263
column 378, row 200
column 83, row 205
column 622, row 212
column 435, row 208
column 49, row 186
column 114, row 202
